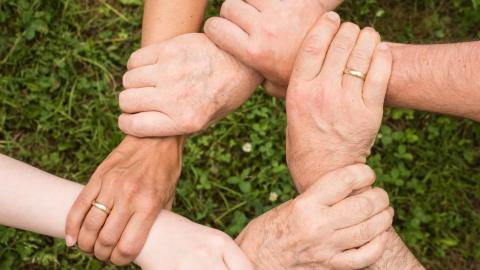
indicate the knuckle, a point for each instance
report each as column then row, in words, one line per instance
column 84, row 246
column 376, row 79
column 225, row 9
column 360, row 57
column 354, row 262
column 131, row 189
column 299, row 205
column 152, row 208
column 383, row 195
column 364, row 206
column 194, row 122
column 219, row 240
column 342, row 44
column 255, row 52
column 362, row 171
column 107, row 240
column 371, row 33
column 364, row 232
column 127, row 250
column 313, row 45
column 91, row 223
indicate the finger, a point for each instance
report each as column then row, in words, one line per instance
column 362, row 257
column 339, row 184
column 354, row 210
column 148, row 124
column 235, row 259
column 136, row 100
column 275, row 90
column 240, row 13
column 80, row 208
column 111, row 232
column 145, row 56
column 262, row 4
column 331, row 4
column 314, row 49
column 94, row 220
column 364, row 232
column 132, row 239
column 340, row 50
column 228, row 36
column 378, row 76
column 144, row 76
column 360, row 61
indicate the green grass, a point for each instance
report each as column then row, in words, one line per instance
column 60, row 69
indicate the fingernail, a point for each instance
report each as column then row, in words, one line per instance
column 70, row 241
column 332, row 15
column 382, row 46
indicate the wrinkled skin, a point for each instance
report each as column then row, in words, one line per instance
column 333, row 118
column 323, row 228
column 136, row 181
column 181, row 86
column 266, row 35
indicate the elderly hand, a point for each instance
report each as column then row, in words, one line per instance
column 181, row 86
column 177, row 243
column 326, row 227
column 333, row 117
column 135, row 181
column 266, row 34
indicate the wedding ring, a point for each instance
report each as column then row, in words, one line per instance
column 355, row 73
column 101, row 207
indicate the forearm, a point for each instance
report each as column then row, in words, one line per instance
column 162, row 20
column 165, row 19
column 396, row 256
column 437, row 78
column 36, row 201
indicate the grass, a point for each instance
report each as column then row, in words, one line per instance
column 60, row 68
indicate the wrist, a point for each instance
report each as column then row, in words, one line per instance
column 396, row 255
column 167, row 151
column 318, row 164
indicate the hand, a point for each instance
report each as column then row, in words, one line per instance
column 136, row 181
column 266, row 34
column 322, row 228
column 181, row 86
column 333, row 118
column 177, row 243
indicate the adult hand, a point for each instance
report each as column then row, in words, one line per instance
column 181, row 86
column 135, row 181
column 333, row 117
column 326, row 227
column 177, row 243
column 266, row 34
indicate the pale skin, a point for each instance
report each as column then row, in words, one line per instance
column 326, row 111
column 341, row 159
column 33, row 200
column 436, row 78
column 144, row 171
column 468, row 111
column 41, row 202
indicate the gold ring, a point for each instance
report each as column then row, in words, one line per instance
column 355, row 73
column 101, row 207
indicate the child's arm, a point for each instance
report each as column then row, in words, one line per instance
column 33, row 200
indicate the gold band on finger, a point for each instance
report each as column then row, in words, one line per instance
column 101, row 207
column 355, row 73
